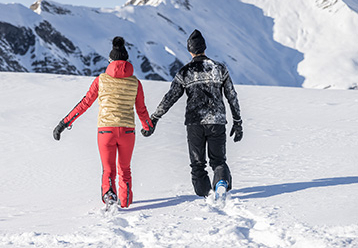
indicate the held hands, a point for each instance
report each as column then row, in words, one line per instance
column 58, row 130
column 147, row 133
column 237, row 130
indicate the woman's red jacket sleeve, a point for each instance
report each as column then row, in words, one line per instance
column 84, row 104
column 141, row 108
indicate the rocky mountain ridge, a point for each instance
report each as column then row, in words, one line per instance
column 56, row 38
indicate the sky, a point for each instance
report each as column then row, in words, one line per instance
column 89, row 3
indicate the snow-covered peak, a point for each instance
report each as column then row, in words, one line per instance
column 36, row 7
column 325, row 4
column 144, row 2
column 176, row 3
column 50, row 7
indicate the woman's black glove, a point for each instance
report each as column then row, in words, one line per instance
column 147, row 133
column 58, row 130
column 237, row 130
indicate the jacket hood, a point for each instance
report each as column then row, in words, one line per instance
column 120, row 69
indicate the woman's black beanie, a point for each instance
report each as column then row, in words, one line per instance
column 119, row 51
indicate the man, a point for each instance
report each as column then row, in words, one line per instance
column 204, row 80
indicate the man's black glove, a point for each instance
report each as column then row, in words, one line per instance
column 147, row 133
column 59, row 129
column 237, row 130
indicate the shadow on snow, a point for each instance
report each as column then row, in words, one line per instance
column 251, row 192
column 277, row 189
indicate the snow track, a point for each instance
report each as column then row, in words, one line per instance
column 187, row 222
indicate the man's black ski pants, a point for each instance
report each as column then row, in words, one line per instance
column 214, row 137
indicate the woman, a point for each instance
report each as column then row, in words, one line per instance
column 118, row 90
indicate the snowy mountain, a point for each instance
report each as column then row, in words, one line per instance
column 286, row 43
column 295, row 174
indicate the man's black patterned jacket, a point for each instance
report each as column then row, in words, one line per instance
column 204, row 81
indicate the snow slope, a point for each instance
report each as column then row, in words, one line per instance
column 295, row 172
column 323, row 30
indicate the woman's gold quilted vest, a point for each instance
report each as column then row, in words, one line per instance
column 116, row 98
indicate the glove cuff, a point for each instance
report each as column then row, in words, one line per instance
column 65, row 125
column 62, row 123
column 154, row 117
column 238, row 122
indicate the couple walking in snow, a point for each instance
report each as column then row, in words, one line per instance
column 118, row 91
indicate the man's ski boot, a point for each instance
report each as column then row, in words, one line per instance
column 220, row 190
column 109, row 198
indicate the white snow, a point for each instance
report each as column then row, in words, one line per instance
column 295, row 175
column 169, row 50
column 323, row 31
column 17, row 14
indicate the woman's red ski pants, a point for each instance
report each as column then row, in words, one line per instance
column 113, row 141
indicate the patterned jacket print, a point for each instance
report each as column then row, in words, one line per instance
column 204, row 81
